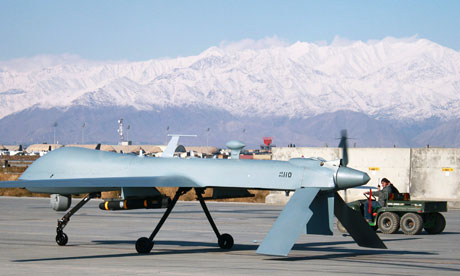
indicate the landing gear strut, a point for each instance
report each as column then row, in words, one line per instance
column 225, row 241
column 144, row 245
column 61, row 237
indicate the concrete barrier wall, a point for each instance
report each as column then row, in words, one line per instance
column 435, row 174
column 427, row 173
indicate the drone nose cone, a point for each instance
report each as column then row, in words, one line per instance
column 348, row 178
column 366, row 178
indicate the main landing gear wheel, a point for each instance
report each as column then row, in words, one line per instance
column 225, row 241
column 144, row 245
column 62, row 239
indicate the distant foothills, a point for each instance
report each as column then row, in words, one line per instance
column 388, row 93
column 33, row 126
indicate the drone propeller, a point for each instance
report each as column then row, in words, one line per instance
column 353, row 221
column 344, row 145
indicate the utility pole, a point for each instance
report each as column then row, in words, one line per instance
column 83, row 133
column 120, row 131
column 167, row 129
column 54, row 136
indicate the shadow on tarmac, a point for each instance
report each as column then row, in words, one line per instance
column 369, row 256
column 333, row 250
column 377, row 258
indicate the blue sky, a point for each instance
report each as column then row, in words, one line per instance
column 141, row 30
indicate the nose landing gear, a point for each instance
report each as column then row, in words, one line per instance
column 61, row 237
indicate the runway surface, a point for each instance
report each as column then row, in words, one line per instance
column 102, row 243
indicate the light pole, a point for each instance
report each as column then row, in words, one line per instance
column 167, row 129
column 120, row 131
column 83, row 132
column 207, row 134
column 54, row 135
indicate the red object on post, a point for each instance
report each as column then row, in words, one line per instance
column 268, row 141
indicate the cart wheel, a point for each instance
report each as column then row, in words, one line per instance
column 436, row 222
column 411, row 223
column 388, row 222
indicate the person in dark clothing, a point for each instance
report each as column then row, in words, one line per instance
column 382, row 195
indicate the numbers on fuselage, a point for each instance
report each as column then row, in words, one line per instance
column 285, row 174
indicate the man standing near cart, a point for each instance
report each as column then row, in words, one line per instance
column 382, row 195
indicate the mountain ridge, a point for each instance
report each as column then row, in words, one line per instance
column 35, row 125
column 390, row 78
column 408, row 88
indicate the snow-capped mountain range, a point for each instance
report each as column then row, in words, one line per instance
column 390, row 78
column 404, row 80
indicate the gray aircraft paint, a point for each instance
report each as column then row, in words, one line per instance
column 78, row 170
column 89, row 170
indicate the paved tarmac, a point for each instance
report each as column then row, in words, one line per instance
column 102, row 243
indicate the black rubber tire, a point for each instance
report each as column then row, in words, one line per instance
column 62, row 239
column 341, row 228
column 144, row 245
column 411, row 223
column 225, row 241
column 437, row 225
column 388, row 222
